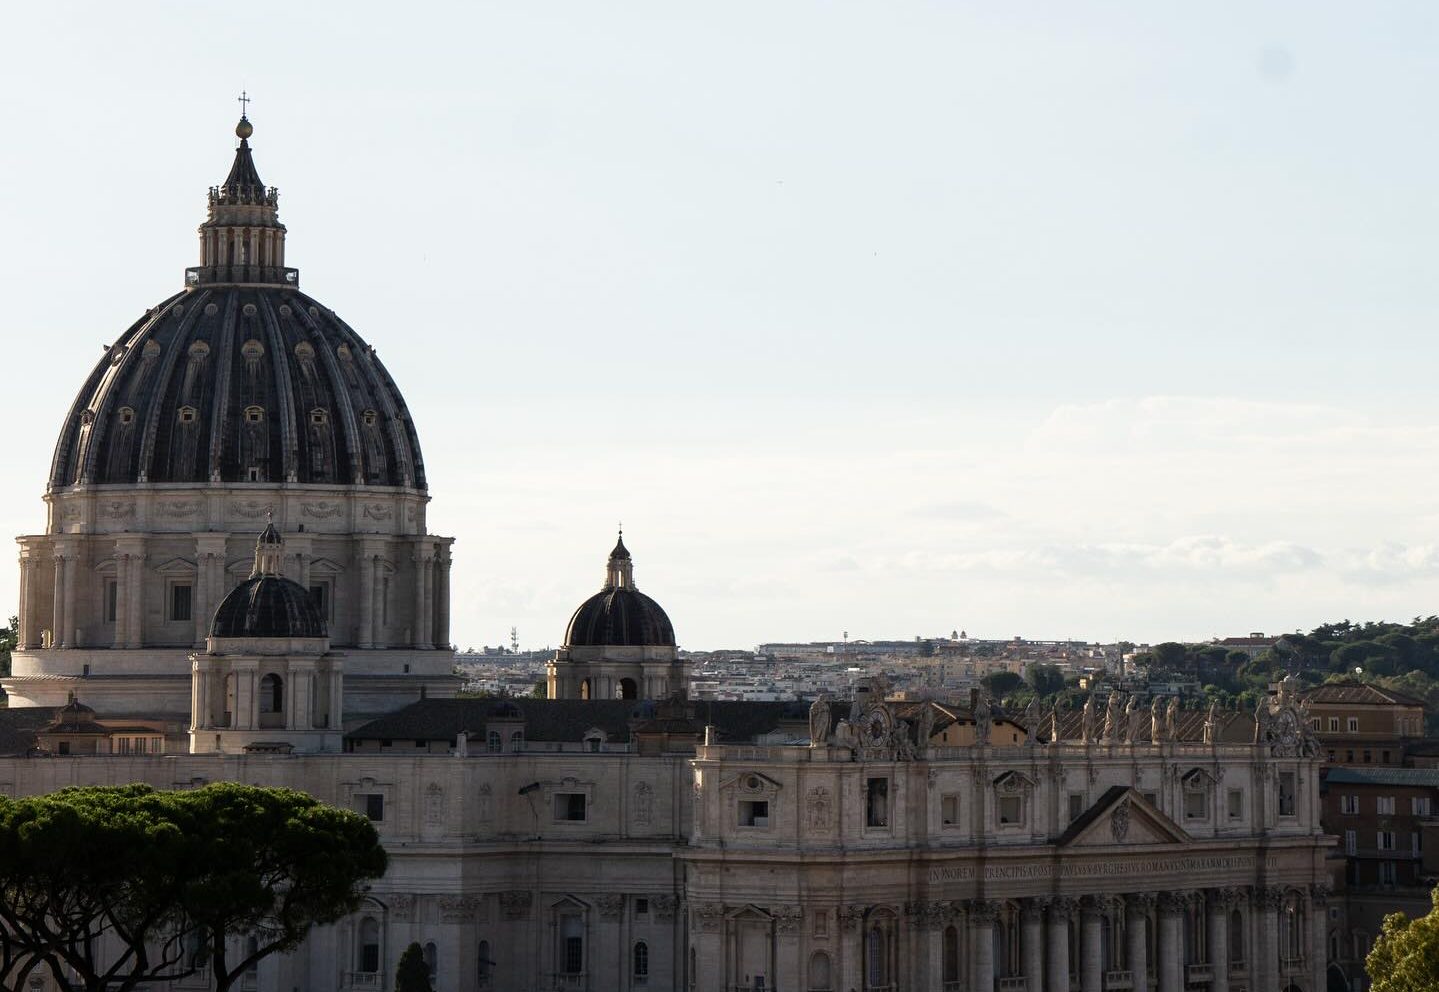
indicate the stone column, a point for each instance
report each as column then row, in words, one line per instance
column 1031, row 916
column 197, row 695
column 417, row 626
column 982, row 914
column 244, row 716
column 1264, row 971
column 135, row 626
column 1318, row 935
column 789, row 922
column 57, row 614
column 1091, row 960
column 442, row 599
column 1217, row 923
column 22, row 638
column 122, row 600
column 366, row 596
column 935, row 917
column 377, row 610
column 1169, row 948
column 428, row 622
column 850, row 956
column 1060, row 912
column 337, row 696
column 30, row 612
column 1137, row 908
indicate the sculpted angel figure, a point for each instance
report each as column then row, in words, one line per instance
column 819, row 721
column 1156, row 733
column 1261, row 721
column 845, row 736
column 925, row 725
column 1031, row 720
column 1088, row 719
column 1054, row 723
column 1171, row 719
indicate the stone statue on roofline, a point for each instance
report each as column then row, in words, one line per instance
column 1156, row 720
column 983, row 719
column 819, row 721
column 1211, row 722
column 1088, row 719
column 1171, row 719
column 1131, row 720
column 1111, row 718
column 1032, row 720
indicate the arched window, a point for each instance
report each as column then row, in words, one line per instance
column 432, row 960
column 272, row 694
column 486, row 965
column 877, row 957
column 819, row 978
column 517, row 740
column 493, row 742
column 369, row 949
column 628, row 689
column 641, row 966
column 951, row 954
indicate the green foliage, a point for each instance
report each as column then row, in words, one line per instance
column 9, row 638
column 152, row 871
column 1001, row 684
column 1047, row 681
column 1405, row 958
column 412, row 975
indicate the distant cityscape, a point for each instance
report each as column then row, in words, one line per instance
column 921, row 668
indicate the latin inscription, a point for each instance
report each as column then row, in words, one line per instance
column 1097, row 869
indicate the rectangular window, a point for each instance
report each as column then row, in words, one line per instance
column 1236, row 804
column 876, row 807
column 821, row 923
column 1416, row 844
column 1152, row 798
column 112, row 597
column 1286, row 794
column 1368, row 756
column 1351, row 842
column 1334, row 724
column 320, row 597
column 1349, row 805
column 570, row 807
column 642, row 907
column 1420, row 805
column 1385, row 806
column 1384, row 757
column 949, row 810
column 1196, row 806
column 1386, row 873
column 1353, row 725
column 1386, row 840
column 181, row 594
column 372, row 804
column 1076, row 806
column 1011, row 809
column 754, row 813
column 574, row 955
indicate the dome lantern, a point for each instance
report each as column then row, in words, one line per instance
column 242, row 241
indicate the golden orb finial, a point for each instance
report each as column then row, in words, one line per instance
column 244, row 129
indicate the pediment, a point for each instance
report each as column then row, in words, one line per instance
column 326, row 566
column 754, row 783
column 1122, row 816
column 176, row 566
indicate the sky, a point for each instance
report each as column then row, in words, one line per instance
column 1066, row 319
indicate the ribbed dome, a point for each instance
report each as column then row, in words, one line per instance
column 619, row 615
column 241, row 377
column 268, row 606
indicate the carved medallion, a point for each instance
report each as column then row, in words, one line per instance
column 1119, row 821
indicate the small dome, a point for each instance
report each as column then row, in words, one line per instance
column 619, row 615
column 268, row 606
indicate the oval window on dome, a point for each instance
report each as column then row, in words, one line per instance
column 254, row 414
column 199, row 349
column 370, row 417
column 188, row 414
column 252, row 349
column 304, row 351
column 126, row 414
column 319, row 417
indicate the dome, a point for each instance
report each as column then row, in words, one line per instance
column 240, row 377
column 619, row 615
column 268, row 606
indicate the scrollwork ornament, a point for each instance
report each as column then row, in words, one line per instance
column 787, row 918
column 710, row 916
column 664, row 906
column 850, row 916
column 983, row 912
column 610, row 905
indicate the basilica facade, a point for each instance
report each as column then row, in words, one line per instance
column 236, row 557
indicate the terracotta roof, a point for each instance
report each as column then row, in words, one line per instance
column 1359, row 693
column 1382, row 776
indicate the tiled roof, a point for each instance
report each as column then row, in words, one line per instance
column 1382, row 776
column 569, row 719
column 18, row 727
column 1360, row 693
